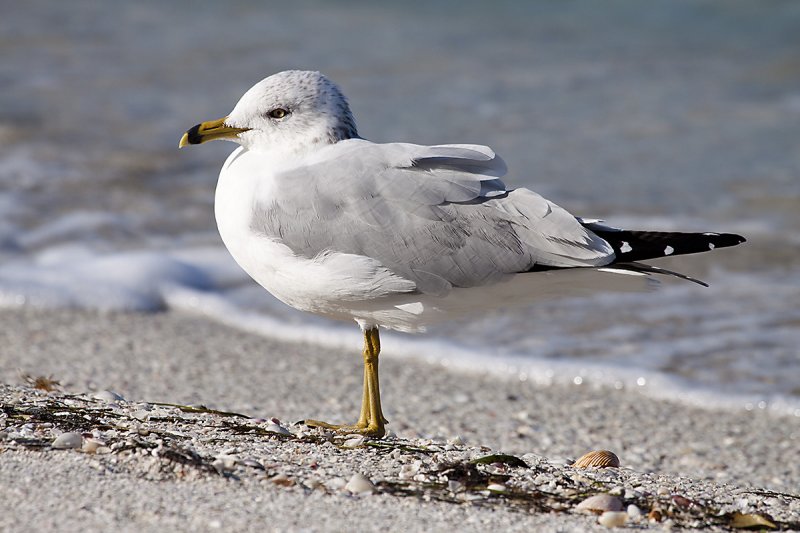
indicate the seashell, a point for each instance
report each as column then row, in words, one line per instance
column 67, row 441
column 496, row 487
column 359, row 484
column 600, row 503
column 597, row 459
column 612, row 519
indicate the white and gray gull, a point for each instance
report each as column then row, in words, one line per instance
column 400, row 235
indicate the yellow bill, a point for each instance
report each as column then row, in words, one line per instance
column 209, row 131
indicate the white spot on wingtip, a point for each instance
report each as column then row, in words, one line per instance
column 625, row 248
column 710, row 234
column 668, row 250
column 711, row 246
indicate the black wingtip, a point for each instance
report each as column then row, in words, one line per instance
column 642, row 245
column 722, row 240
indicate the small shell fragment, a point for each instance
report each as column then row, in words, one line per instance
column 612, row 519
column 597, row 459
column 455, row 486
column 354, row 442
column 359, row 484
column 277, row 428
column 408, row 471
column 91, row 445
column 600, row 503
column 282, row 480
column 108, row 396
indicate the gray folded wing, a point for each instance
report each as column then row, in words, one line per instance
column 437, row 215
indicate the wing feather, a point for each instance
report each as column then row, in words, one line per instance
column 437, row 215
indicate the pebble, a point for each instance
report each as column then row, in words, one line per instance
column 335, row 484
column 496, row 487
column 312, row 484
column 224, row 463
column 612, row 519
column 359, row 484
column 634, row 513
column 600, row 503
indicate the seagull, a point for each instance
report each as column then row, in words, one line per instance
column 400, row 235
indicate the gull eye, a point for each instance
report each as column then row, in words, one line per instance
column 278, row 113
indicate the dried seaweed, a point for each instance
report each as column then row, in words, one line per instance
column 199, row 409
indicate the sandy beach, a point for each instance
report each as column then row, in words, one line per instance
column 141, row 466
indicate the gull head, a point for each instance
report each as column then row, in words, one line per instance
column 291, row 111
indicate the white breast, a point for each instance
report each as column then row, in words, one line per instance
column 331, row 284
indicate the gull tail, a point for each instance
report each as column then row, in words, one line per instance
column 642, row 245
column 631, row 246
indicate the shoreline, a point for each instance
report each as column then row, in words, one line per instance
column 186, row 359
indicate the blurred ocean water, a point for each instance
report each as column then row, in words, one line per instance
column 662, row 115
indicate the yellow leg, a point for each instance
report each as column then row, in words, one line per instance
column 371, row 421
